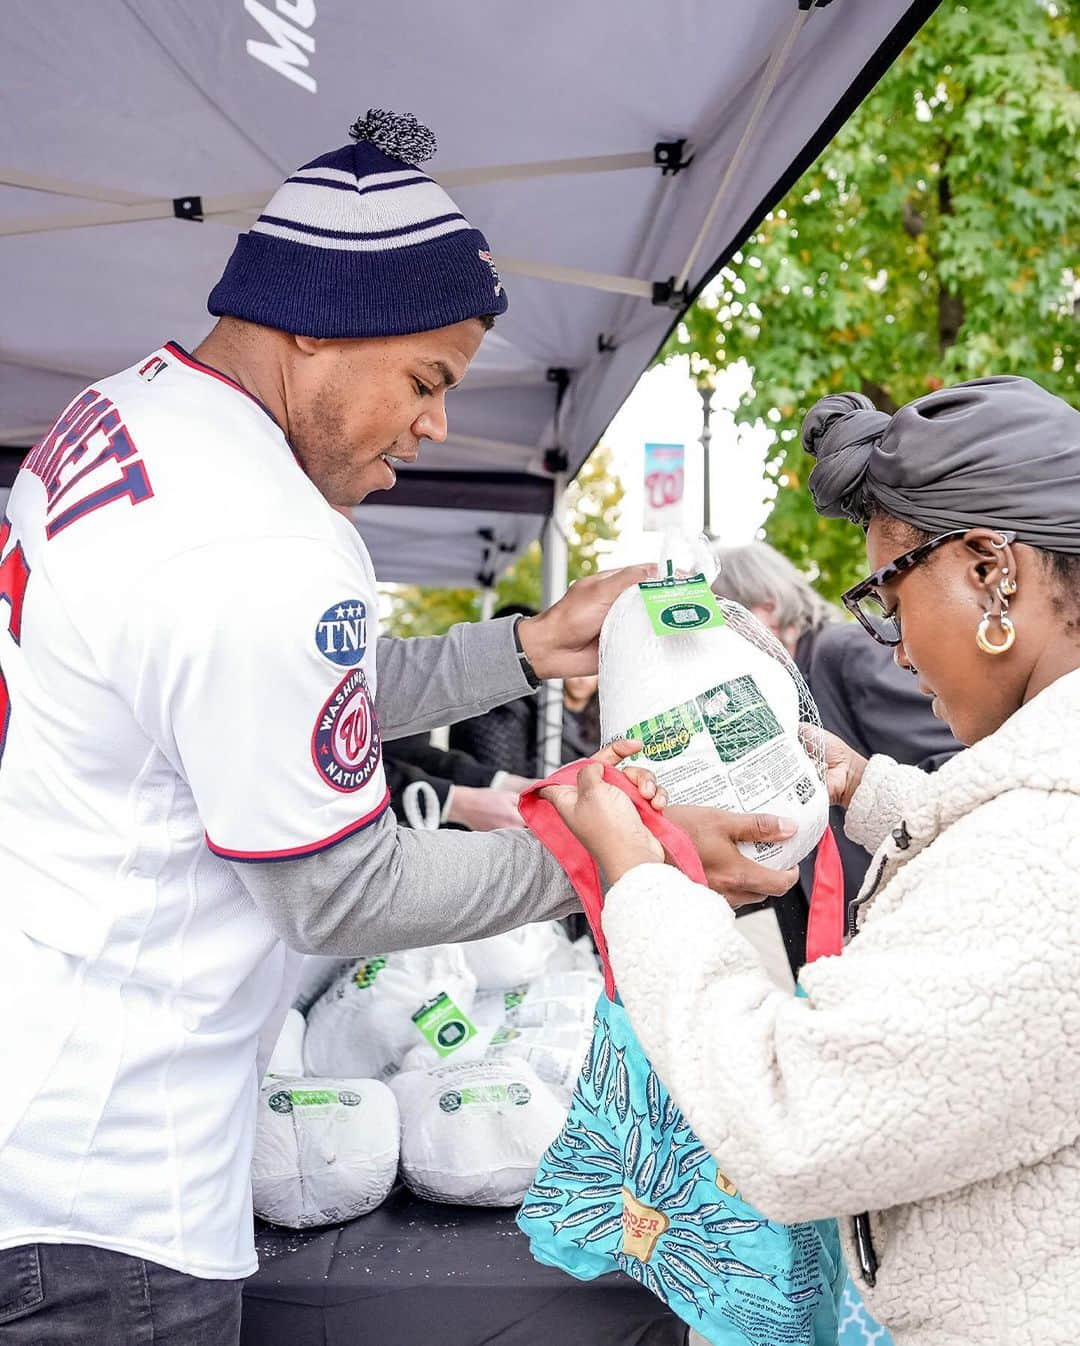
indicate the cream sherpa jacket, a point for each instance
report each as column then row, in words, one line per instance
column 932, row 1077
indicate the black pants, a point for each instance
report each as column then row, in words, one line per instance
column 68, row 1294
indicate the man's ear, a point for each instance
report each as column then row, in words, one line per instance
column 307, row 345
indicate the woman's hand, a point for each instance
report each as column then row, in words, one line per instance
column 604, row 819
column 844, row 767
column 616, row 752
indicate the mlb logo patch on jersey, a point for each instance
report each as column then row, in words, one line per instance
column 345, row 743
column 152, row 368
column 341, row 633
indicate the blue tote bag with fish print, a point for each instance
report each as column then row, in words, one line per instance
column 627, row 1186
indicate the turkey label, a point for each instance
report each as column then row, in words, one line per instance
column 676, row 605
column 726, row 749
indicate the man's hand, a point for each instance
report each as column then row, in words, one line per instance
column 716, row 834
column 562, row 642
column 515, row 785
column 483, row 810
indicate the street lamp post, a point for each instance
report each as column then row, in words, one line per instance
column 705, row 388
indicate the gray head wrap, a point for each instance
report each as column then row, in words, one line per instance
column 996, row 453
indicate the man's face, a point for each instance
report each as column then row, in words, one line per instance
column 355, row 407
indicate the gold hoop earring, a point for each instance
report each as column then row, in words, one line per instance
column 982, row 635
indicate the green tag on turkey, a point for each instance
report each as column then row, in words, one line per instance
column 445, row 1026
column 676, row 605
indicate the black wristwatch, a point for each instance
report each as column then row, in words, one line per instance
column 523, row 658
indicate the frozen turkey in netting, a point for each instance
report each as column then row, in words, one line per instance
column 563, row 999
column 578, row 955
column 424, row 1056
column 316, row 974
column 504, row 961
column 555, row 1052
column 287, row 1057
column 557, row 999
column 472, row 1132
column 363, row 1025
column 722, row 713
column 325, row 1150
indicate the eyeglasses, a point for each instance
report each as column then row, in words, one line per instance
column 866, row 604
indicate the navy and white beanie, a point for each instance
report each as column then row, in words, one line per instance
column 360, row 243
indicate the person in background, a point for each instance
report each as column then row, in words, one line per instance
column 432, row 787
column 508, row 736
column 862, row 695
column 581, row 717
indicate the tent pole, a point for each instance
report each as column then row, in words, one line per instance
column 554, row 576
column 769, row 80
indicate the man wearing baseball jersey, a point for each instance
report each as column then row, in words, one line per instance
column 192, row 702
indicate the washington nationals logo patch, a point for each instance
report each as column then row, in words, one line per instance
column 345, row 745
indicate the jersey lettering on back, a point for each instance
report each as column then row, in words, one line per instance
column 14, row 574
column 77, row 463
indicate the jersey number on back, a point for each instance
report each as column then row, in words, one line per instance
column 14, row 573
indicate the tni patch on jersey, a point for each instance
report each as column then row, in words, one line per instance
column 345, row 745
column 341, row 633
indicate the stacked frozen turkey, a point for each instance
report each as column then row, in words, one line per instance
column 453, row 1065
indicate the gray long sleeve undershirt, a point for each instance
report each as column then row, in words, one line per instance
column 392, row 888
column 430, row 681
column 389, row 888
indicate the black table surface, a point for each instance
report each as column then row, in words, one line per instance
column 414, row 1273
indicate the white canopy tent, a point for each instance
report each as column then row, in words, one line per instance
column 615, row 155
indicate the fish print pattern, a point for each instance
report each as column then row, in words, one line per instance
column 628, row 1186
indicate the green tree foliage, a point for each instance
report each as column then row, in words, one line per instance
column 937, row 239
column 592, row 519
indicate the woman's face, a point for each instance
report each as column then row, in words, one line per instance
column 577, row 691
column 940, row 604
column 766, row 615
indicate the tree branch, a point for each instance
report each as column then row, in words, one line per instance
column 950, row 304
column 913, row 221
column 880, row 398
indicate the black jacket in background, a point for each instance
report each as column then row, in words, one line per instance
column 505, row 738
column 410, row 759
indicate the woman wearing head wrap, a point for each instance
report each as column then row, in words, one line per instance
column 931, row 1076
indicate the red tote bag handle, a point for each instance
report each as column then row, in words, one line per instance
column 825, row 927
column 542, row 819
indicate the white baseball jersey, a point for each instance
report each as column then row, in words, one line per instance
column 187, row 641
